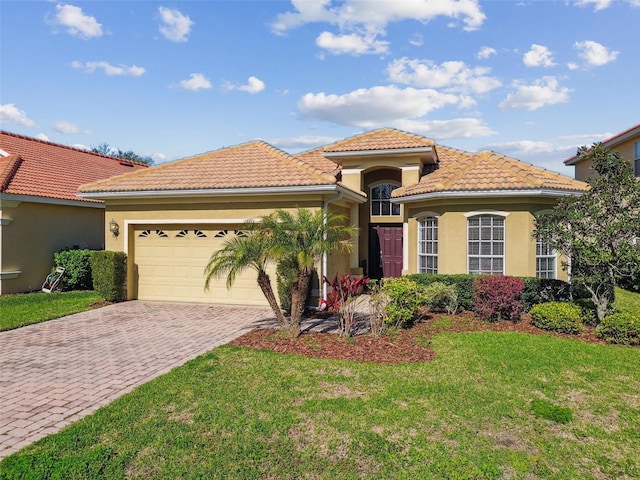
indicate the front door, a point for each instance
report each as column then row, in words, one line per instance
column 385, row 251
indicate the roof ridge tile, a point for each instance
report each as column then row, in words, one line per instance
column 6, row 175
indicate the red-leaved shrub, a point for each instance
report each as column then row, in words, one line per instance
column 497, row 297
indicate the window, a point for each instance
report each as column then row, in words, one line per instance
column 545, row 260
column 428, row 245
column 380, row 201
column 636, row 159
column 486, row 244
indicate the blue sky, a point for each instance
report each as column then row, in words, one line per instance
column 530, row 79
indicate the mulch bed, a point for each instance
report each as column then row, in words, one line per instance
column 400, row 346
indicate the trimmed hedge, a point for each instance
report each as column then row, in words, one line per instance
column 109, row 274
column 462, row 282
column 622, row 328
column 559, row 317
column 542, row 290
column 77, row 268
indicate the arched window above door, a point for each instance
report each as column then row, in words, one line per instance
column 381, row 205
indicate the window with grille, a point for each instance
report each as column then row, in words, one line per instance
column 381, row 201
column 428, row 245
column 486, row 244
column 545, row 260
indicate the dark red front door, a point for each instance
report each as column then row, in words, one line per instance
column 386, row 251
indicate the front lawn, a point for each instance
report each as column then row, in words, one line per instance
column 491, row 405
column 25, row 309
column 627, row 301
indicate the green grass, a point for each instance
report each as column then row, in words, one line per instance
column 627, row 301
column 238, row 413
column 25, row 309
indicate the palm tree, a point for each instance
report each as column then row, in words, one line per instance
column 254, row 251
column 305, row 237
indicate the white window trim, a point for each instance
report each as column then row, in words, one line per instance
column 377, row 184
column 422, row 216
column 539, row 213
column 481, row 213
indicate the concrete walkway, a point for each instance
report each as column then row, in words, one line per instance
column 56, row 372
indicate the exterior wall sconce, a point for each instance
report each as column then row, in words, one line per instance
column 114, row 228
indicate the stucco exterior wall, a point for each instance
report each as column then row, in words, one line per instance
column 520, row 246
column 583, row 168
column 36, row 232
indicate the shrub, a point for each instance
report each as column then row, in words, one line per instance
column 622, row 328
column 441, row 297
column 109, row 274
column 77, row 268
column 462, row 282
column 342, row 299
column 378, row 303
column 559, row 317
column 541, row 290
column 497, row 297
column 405, row 298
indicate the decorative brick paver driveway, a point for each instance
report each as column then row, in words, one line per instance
column 56, row 372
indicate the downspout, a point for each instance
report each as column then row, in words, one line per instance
column 325, row 257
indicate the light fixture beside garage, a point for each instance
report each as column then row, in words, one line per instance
column 114, row 228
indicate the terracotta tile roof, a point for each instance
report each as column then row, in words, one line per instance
column 316, row 159
column 461, row 171
column 250, row 165
column 44, row 169
column 381, row 139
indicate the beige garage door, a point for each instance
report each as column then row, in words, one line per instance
column 171, row 260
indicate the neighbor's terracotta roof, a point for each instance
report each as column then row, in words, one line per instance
column 461, row 171
column 381, row 139
column 250, row 165
column 44, row 169
column 610, row 142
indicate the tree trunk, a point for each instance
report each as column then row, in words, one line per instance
column 298, row 300
column 265, row 285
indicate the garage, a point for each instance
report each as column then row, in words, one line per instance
column 169, row 263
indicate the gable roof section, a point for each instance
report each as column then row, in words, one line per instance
column 49, row 170
column 462, row 172
column 315, row 158
column 250, row 165
column 610, row 142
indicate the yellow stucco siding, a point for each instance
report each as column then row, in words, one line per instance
column 36, row 232
column 583, row 169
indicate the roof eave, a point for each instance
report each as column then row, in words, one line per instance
column 539, row 192
column 609, row 143
column 216, row 192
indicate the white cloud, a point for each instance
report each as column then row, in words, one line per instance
column 370, row 107
column 417, row 40
column 175, row 25
column 446, row 129
column 597, row 4
column 62, row 126
column 454, row 76
column 254, row 85
column 76, row 22
column 486, row 52
column 9, row 113
column 352, row 44
column 362, row 21
column 197, row 81
column 90, row 67
column 538, row 56
column 594, row 53
column 42, row 136
column 542, row 92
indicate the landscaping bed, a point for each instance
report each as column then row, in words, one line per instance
column 397, row 346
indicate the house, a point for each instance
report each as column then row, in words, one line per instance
column 627, row 143
column 419, row 206
column 40, row 211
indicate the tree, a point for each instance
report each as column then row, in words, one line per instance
column 105, row 149
column 254, row 251
column 305, row 237
column 598, row 230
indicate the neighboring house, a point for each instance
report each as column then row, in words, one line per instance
column 40, row 212
column 420, row 207
column 627, row 143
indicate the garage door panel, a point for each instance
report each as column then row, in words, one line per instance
column 171, row 265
